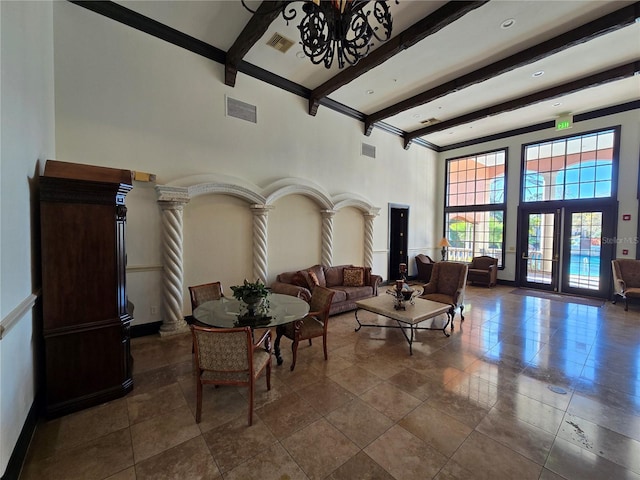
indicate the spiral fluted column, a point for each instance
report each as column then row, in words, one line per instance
column 368, row 239
column 326, row 258
column 260, row 216
column 172, row 207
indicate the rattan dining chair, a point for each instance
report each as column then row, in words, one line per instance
column 228, row 356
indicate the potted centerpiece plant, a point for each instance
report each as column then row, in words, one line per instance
column 251, row 293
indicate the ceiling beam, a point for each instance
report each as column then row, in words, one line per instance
column 252, row 32
column 429, row 25
column 606, row 24
column 602, row 78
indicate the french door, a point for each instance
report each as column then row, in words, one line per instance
column 567, row 249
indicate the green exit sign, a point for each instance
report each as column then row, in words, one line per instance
column 563, row 123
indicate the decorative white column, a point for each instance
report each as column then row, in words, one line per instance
column 172, row 201
column 368, row 237
column 327, row 237
column 260, row 216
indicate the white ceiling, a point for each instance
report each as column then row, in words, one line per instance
column 474, row 41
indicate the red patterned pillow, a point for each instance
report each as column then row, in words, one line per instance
column 353, row 277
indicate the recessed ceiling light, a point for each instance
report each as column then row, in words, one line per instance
column 537, row 74
column 300, row 54
column 417, row 115
column 508, row 23
column 557, row 104
column 369, row 92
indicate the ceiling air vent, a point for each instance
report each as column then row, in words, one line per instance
column 368, row 150
column 243, row 111
column 429, row 121
column 280, row 42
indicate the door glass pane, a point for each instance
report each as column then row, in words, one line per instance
column 586, row 241
column 540, row 248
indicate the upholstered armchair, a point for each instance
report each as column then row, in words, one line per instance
column 483, row 270
column 447, row 284
column 626, row 279
column 424, row 265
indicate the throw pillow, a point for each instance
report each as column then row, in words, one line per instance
column 353, row 277
column 300, row 280
column 314, row 278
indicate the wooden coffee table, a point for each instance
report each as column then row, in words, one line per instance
column 410, row 317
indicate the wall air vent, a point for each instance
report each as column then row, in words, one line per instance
column 368, row 150
column 238, row 109
column 280, row 42
column 429, row 121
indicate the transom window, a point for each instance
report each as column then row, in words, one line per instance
column 475, row 206
column 569, row 168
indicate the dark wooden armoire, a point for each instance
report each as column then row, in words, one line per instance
column 84, row 298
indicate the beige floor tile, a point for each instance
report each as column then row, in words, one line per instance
column 361, row 467
column 606, row 443
column 126, row 474
column 325, row 395
column 190, row 459
column 319, row 449
column 532, row 411
column 160, row 401
column 529, row 441
column 442, row 432
column 355, row 379
column 162, row 432
column 491, row 460
column 574, row 463
column 360, row 422
column 98, row 459
column 390, row 400
column 414, row 383
column 287, row 415
column 273, row 463
column 405, row 456
column 235, row 442
column 78, row 428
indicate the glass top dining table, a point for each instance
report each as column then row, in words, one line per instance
column 277, row 310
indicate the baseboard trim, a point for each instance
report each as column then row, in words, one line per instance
column 22, row 445
column 145, row 329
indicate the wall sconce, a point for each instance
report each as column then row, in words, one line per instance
column 444, row 243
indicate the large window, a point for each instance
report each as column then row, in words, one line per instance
column 569, row 168
column 475, row 206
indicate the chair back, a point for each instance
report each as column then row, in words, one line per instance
column 626, row 270
column 449, row 277
column 483, row 262
column 223, row 349
column 321, row 301
column 205, row 293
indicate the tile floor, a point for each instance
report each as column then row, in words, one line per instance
column 526, row 388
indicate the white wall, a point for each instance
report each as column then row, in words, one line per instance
column 27, row 140
column 627, row 178
column 128, row 100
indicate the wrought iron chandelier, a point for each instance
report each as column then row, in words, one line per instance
column 339, row 28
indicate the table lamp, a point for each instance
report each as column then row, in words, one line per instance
column 444, row 243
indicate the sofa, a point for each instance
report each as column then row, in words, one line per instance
column 350, row 284
column 483, row 270
column 626, row 279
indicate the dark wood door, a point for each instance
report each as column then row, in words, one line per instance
column 398, row 234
